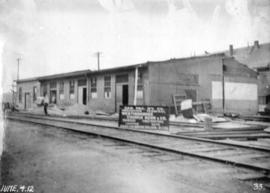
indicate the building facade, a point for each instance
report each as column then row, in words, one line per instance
column 202, row 78
column 256, row 56
column 27, row 92
column 222, row 80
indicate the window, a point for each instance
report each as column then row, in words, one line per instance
column 20, row 95
column 262, row 100
column 82, row 82
column 139, row 91
column 140, row 86
column 61, row 90
column 34, row 93
column 53, row 85
column 44, row 89
column 71, row 89
column 107, row 87
column 191, row 94
column 94, row 87
column 122, row 78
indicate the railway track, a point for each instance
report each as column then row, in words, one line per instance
column 264, row 118
column 252, row 126
column 248, row 134
column 238, row 155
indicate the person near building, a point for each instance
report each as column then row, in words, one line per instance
column 46, row 103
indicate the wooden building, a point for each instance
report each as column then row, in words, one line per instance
column 256, row 56
column 228, row 84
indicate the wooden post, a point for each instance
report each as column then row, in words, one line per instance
column 175, row 106
column 136, row 85
column 223, row 87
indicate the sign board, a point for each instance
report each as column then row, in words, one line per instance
column 144, row 117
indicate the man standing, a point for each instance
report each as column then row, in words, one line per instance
column 46, row 103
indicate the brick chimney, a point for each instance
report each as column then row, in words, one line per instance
column 231, row 50
column 256, row 44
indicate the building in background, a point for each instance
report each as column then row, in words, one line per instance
column 222, row 80
column 254, row 56
column 27, row 92
column 228, row 84
column 257, row 57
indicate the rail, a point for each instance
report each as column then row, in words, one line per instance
column 237, row 155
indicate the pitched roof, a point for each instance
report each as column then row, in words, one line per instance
column 212, row 55
column 82, row 72
column 253, row 56
column 115, row 69
column 26, row 80
column 54, row 76
column 64, row 75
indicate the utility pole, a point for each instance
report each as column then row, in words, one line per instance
column 18, row 77
column 223, row 86
column 18, row 70
column 13, row 95
column 98, row 54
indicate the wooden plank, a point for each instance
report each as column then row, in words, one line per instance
column 177, row 99
column 200, row 102
column 175, row 106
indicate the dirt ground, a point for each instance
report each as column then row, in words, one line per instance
column 56, row 160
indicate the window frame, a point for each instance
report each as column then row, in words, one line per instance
column 34, row 93
column 53, row 85
column 20, row 94
column 107, row 87
column 140, row 86
column 93, row 87
column 71, row 89
column 61, row 89
column 45, row 89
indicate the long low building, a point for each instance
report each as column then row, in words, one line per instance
column 226, row 83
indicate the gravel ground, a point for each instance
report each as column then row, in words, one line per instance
column 56, row 160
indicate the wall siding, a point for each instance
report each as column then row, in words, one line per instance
column 27, row 87
column 164, row 80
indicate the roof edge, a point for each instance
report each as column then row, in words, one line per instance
column 129, row 67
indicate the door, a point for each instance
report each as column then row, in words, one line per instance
column 267, row 99
column 118, row 97
column 82, row 95
column 121, row 95
column 125, row 95
column 53, row 96
column 27, row 101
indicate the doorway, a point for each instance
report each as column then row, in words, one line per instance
column 27, row 101
column 82, row 95
column 53, row 96
column 122, row 95
column 267, row 99
column 125, row 95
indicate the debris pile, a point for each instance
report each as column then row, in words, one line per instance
column 71, row 110
column 190, row 114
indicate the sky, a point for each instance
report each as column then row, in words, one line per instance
column 55, row 36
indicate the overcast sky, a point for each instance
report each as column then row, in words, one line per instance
column 54, row 36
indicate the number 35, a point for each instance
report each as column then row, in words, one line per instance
column 257, row 186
